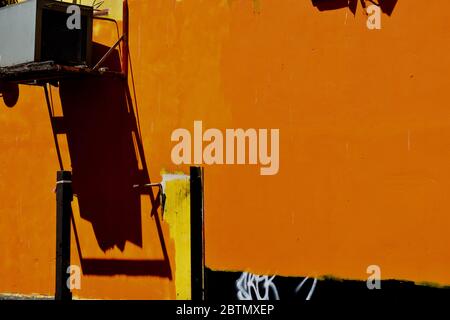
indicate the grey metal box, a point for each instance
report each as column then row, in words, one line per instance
column 36, row 30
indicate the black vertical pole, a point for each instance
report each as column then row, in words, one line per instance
column 63, row 215
column 197, row 235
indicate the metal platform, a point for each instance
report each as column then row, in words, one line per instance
column 37, row 73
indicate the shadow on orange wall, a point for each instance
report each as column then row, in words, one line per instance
column 387, row 6
column 10, row 93
column 109, row 168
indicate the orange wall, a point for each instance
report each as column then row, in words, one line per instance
column 364, row 133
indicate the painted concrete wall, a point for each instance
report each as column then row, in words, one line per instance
column 364, row 134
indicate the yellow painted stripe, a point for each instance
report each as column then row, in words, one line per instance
column 177, row 216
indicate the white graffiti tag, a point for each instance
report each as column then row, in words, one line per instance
column 253, row 287
column 311, row 291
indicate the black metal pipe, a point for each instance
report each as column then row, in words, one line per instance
column 197, row 234
column 64, row 198
column 55, row 138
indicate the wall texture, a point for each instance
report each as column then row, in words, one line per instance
column 364, row 139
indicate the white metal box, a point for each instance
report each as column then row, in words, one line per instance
column 36, row 30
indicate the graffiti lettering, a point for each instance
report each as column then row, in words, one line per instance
column 311, row 291
column 254, row 287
